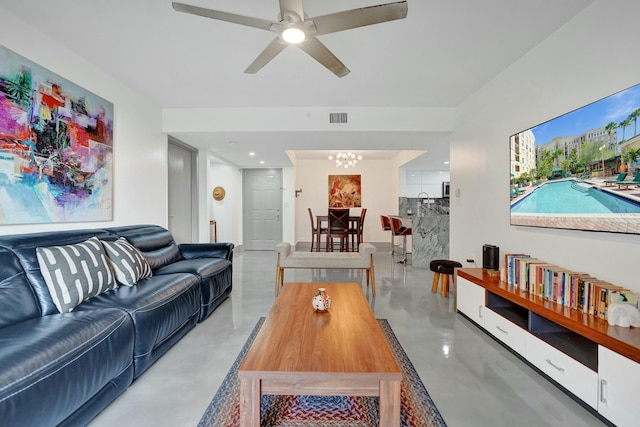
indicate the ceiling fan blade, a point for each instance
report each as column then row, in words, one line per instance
column 355, row 18
column 320, row 53
column 270, row 52
column 262, row 24
column 292, row 6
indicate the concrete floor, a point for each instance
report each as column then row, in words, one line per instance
column 473, row 380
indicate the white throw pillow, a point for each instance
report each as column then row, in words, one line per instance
column 75, row 273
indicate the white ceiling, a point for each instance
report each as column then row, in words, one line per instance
column 438, row 56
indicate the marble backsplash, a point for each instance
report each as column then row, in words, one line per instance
column 410, row 206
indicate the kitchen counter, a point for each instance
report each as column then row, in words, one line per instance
column 429, row 229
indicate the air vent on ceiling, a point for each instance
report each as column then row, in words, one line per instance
column 337, row 117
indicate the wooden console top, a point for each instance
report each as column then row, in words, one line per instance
column 625, row 341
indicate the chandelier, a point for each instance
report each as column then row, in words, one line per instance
column 345, row 160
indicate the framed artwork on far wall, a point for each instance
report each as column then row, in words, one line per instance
column 345, row 191
column 56, row 147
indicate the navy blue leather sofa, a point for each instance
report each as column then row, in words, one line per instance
column 63, row 369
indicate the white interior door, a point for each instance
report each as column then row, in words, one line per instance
column 262, row 208
column 181, row 192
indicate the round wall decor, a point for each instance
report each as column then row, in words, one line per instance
column 218, row 193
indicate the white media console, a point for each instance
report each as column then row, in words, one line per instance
column 594, row 361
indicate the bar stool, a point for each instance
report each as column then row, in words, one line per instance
column 385, row 222
column 442, row 267
column 399, row 230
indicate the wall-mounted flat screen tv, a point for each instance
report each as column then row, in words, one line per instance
column 580, row 170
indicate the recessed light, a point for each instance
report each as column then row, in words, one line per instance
column 252, row 154
column 262, row 162
column 446, row 163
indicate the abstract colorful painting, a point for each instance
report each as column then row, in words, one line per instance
column 56, row 147
column 345, row 191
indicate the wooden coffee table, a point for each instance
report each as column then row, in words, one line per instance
column 301, row 352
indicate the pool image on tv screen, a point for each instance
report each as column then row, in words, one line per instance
column 580, row 170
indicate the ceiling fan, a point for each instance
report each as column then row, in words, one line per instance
column 294, row 27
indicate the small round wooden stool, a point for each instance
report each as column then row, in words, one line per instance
column 442, row 267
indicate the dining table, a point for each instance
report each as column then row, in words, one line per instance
column 354, row 221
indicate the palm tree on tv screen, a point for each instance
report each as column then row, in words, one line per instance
column 634, row 117
column 623, row 124
column 612, row 126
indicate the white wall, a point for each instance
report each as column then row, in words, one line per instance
column 587, row 59
column 223, row 211
column 308, row 119
column 289, row 203
column 140, row 148
column 379, row 180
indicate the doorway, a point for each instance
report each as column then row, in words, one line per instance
column 182, row 191
column 262, row 208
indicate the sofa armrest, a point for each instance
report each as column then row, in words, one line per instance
column 366, row 249
column 207, row 250
column 284, row 249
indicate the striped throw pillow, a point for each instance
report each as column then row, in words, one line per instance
column 75, row 273
column 128, row 263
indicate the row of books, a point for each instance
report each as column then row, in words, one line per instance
column 576, row 290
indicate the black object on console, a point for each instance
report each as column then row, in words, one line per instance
column 490, row 257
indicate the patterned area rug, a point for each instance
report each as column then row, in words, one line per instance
column 416, row 407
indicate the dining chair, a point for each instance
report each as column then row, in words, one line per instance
column 400, row 230
column 315, row 232
column 357, row 231
column 385, row 222
column 338, row 228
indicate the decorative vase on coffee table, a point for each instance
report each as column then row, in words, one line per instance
column 321, row 301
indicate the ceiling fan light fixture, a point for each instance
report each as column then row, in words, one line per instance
column 293, row 35
column 293, row 26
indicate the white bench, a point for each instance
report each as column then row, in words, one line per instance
column 361, row 260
